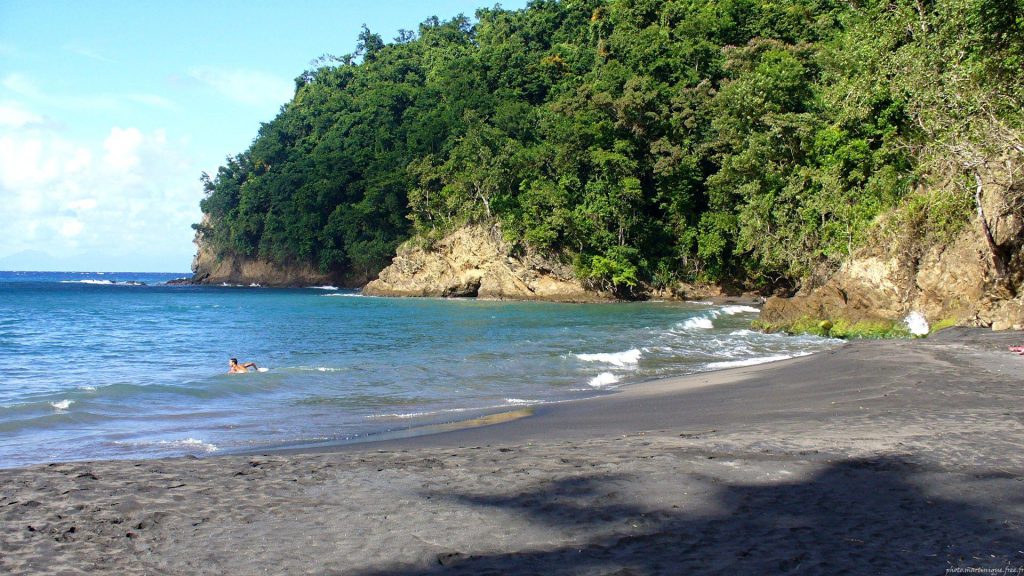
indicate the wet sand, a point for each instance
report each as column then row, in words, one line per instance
column 889, row 457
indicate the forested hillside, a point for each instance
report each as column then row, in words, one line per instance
column 644, row 141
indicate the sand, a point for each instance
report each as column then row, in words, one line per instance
column 894, row 457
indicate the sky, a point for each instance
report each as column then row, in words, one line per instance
column 110, row 111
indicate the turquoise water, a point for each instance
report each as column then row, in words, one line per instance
column 125, row 366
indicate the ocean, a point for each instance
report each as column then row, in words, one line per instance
column 122, row 365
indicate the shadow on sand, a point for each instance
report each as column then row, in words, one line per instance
column 862, row 516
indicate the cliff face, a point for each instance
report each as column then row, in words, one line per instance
column 211, row 268
column 968, row 281
column 475, row 261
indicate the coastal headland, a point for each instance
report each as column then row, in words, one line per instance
column 880, row 457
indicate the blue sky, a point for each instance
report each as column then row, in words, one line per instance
column 110, row 110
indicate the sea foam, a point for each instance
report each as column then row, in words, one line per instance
column 405, row 415
column 697, row 323
column 629, row 357
column 738, row 309
column 62, row 405
column 188, row 444
column 95, row 282
column 603, row 379
column 520, row 402
column 753, row 361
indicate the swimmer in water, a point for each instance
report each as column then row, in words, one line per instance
column 235, row 368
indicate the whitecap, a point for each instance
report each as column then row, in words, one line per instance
column 95, row 282
column 603, row 379
column 697, row 323
column 739, row 309
column 616, row 358
column 732, row 349
column 62, row 405
column 323, row 287
column 255, row 285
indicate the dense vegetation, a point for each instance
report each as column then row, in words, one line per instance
column 648, row 140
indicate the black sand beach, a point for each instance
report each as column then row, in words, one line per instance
column 881, row 457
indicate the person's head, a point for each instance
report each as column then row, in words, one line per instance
column 234, row 361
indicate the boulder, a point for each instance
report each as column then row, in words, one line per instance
column 474, row 261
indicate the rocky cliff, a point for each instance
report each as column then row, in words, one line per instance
column 475, row 261
column 208, row 267
column 975, row 279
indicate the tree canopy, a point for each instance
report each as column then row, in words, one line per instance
column 648, row 140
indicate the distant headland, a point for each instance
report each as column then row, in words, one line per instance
column 852, row 164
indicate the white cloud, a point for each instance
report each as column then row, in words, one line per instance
column 250, row 87
column 125, row 196
column 83, row 204
column 20, row 85
column 122, row 148
column 71, row 227
column 14, row 115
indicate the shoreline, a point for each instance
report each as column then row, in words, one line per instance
column 578, row 364
column 477, row 426
column 876, row 457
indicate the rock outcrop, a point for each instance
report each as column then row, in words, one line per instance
column 475, row 261
column 967, row 281
column 209, row 267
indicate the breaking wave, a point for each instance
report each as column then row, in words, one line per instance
column 603, row 379
column 621, row 359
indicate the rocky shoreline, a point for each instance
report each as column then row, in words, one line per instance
column 212, row 268
column 475, row 262
column 962, row 282
column 974, row 279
